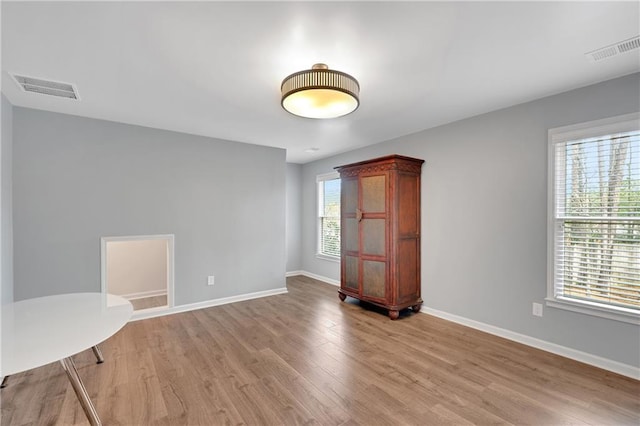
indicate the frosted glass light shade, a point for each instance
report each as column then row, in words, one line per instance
column 320, row 93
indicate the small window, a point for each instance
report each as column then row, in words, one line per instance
column 329, row 216
column 594, row 216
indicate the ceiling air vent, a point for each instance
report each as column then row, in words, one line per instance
column 614, row 49
column 46, row 87
column 632, row 43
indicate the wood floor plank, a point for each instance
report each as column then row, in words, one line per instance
column 149, row 302
column 306, row 358
column 319, row 405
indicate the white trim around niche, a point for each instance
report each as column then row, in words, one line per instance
column 170, row 238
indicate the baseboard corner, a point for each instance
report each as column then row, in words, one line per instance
column 318, row 277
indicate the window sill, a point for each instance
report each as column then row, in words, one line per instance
column 594, row 309
column 327, row 257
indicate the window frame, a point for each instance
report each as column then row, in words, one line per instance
column 618, row 124
column 320, row 179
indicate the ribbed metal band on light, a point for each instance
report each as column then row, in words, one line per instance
column 320, row 79
column 310, row 83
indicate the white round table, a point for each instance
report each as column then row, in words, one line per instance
column 39, row 331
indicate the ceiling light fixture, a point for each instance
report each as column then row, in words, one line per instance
column 320, row 93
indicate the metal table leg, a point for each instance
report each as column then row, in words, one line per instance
column 98, row 353
column 70, row 368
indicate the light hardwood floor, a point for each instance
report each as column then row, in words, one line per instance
column 306, row 358
column 149, row 302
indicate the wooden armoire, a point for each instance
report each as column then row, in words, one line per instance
column 380, row 232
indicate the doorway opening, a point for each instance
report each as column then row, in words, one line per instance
column 140, row 269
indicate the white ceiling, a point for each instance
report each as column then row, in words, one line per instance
column 214, row 69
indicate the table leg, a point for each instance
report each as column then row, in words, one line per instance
column 90, row 411
column 98, row 353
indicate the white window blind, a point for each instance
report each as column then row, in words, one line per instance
column 597, row 220
column 329, row 215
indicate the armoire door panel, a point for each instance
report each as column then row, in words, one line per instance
column 373, row 236
column 349, row 189
column 373, row 279
column 350, row 235
column 373, row 194
column 351, row 272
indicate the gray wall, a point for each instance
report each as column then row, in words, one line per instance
column 294, row 217
column 484, row 209
column 78, row 179
column 6, row 214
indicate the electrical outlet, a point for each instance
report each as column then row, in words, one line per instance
column 211, row 280
column 537, row 309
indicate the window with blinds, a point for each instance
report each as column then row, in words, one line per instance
column 329, row 215
column 596, row 217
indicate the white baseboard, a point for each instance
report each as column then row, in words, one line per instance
column 143, row 294
column 314, row 276
column 161, row 311
column 604, row 363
